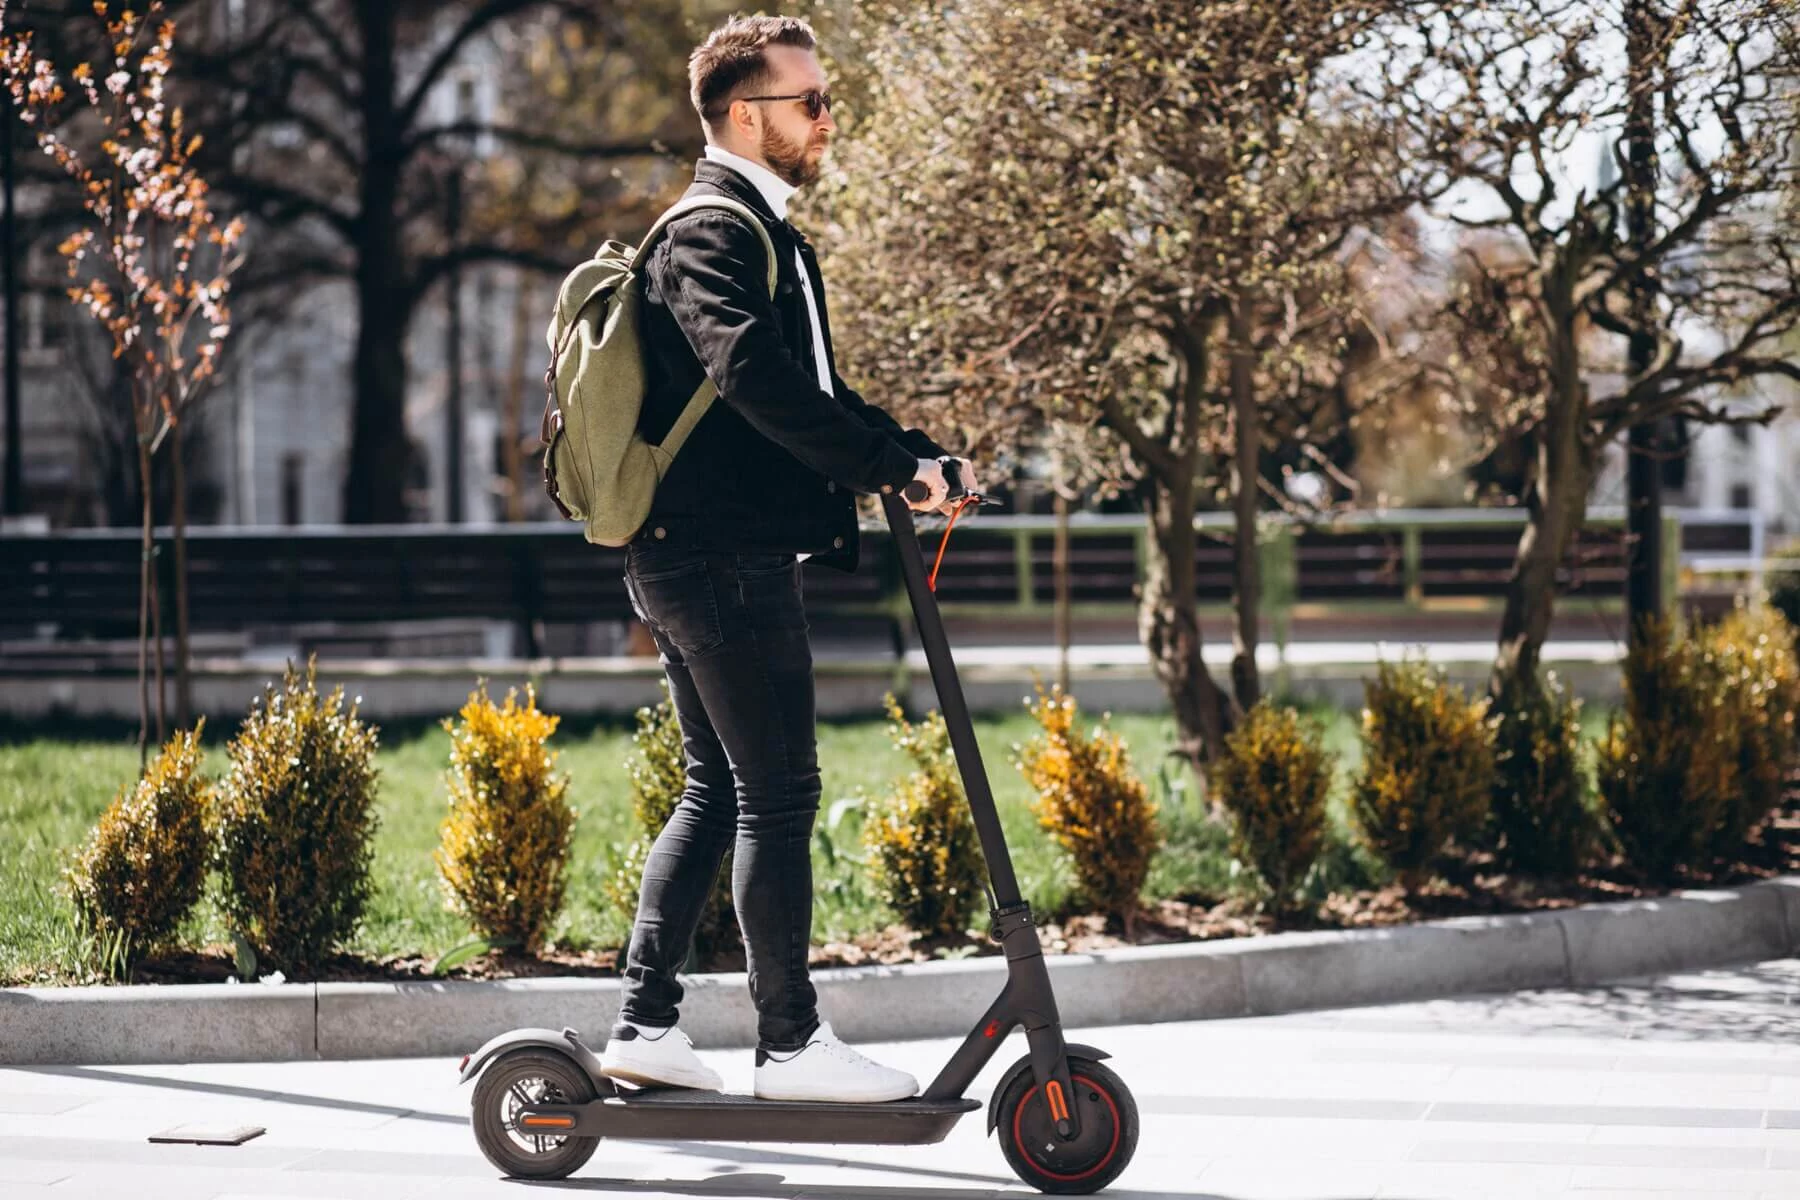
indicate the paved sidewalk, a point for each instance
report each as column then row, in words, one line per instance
column 1684, row 1088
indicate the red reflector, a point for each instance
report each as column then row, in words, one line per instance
column 464, row 1064
column 992, row 1029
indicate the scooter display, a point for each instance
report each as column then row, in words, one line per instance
column 1066, row 1123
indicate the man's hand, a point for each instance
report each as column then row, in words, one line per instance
column 965, row 476
column 931, row 474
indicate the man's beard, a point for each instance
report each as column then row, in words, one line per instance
column 791, row 161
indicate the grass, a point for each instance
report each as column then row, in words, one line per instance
column 53, row 789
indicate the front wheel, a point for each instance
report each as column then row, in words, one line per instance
column 1108, row 1138
column 514, row 1081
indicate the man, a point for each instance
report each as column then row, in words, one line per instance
column 765, row 479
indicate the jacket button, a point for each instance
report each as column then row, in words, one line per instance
column 887, row 489
column 831, row 485
column 661, row 533
column 837, row 543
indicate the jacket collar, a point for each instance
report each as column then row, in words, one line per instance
column 722, row 178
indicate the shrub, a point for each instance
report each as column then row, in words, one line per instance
column 923, row 849
column 144, row 865
column 1275, row 777
column 1759, row 684
column 505, row 845
column 1428, row 768
column 657, row 769
column 1784, row 584
column 1706, row 742
column 1665, row 768
column 296, row 819
column 1092, row 804
column 1541, row 823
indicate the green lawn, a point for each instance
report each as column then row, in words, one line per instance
column 53, row 789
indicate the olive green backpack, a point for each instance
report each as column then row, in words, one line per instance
column 598, row 469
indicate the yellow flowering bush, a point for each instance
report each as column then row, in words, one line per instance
column 921, row 841
column 1092, row 804
column 1707, row 739
column 1428, row 768
column 1275, row 777
column 144, row 865
column 504, row 853
column 296, row 821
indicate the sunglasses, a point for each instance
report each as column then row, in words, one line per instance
column 816, row 102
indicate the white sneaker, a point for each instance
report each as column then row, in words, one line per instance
column 651, row 1057
column 826, row 1069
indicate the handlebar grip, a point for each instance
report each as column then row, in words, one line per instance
column 916, row 491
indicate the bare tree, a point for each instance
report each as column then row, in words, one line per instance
column 1127, row 226
column 151, row 265
column 1501, row 97
column 324, row 128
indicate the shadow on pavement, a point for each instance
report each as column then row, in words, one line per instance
column 247, row 1093
column 776, row 1187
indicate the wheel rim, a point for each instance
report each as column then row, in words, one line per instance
column 530, row 1091
column 1034, row 1133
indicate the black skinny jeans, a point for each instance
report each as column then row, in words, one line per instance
column 732, row 633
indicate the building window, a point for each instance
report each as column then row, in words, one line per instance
column 292, row 469
column 1740, row 495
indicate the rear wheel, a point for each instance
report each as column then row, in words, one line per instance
column 1108, row 1138
column 513, row 1082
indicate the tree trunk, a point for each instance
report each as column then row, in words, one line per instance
column 1246, row 470
column 146, row 582
column 1059, row 566
column 1556, row 503
column 511, row 449
column 1169, row 623
column 184, row 696
column 375, row 488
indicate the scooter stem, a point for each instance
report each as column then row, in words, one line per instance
column 1004, row 884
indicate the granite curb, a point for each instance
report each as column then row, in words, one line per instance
column 1238, row 977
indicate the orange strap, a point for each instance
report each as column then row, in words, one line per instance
column 943, row 545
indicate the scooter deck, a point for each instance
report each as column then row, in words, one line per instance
column 664, row 1114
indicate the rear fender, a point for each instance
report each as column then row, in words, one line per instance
column 567, row 1043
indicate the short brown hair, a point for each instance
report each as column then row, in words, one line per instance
column 732, row 61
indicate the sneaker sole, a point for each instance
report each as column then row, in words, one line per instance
column 885, row 1098
column 687, row 1082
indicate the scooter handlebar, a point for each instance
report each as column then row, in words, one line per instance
column 917, row 491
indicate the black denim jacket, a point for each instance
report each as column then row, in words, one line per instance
column 773, row 464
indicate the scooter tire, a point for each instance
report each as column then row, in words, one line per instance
column 539, row 1076
column 1108, row 1138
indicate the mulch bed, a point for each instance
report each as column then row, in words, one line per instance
column 1471, row 887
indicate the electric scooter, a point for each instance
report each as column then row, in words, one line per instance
column 1066, row 1123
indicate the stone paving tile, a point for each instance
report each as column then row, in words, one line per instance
column 1591, row 1154
column 1261, row 1179
column 1444, row 1181
column 22, row 1171
column 1284, row 1106
column 39, row 1104
column 1579, row 1114
column 1638, row 1194
column 1684, row 1181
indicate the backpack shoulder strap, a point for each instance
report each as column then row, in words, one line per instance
column 695, row 203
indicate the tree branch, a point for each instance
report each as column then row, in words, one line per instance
column 483, row 16
column 1156, row 459
column 527, row 139
column 435, row 268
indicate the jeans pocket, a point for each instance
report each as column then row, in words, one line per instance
column 682, row 604
column 769, row 586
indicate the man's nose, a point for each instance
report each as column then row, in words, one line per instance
column 827, row 121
